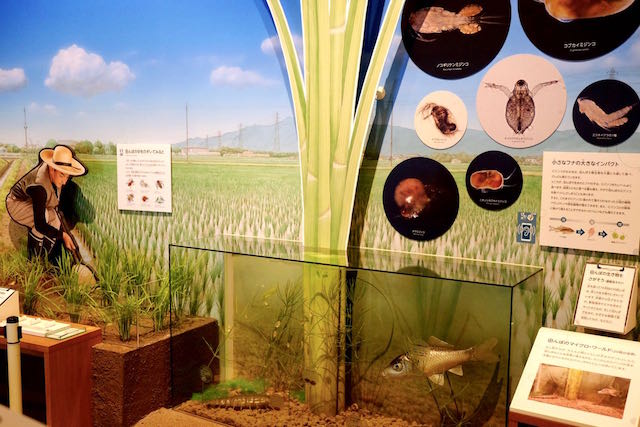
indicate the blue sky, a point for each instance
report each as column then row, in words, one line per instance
column 123, row 71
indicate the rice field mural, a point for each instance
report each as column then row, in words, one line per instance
column 292, row 180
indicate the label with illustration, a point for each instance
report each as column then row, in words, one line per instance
column 144, row 177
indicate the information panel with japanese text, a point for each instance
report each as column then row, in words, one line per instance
column 144, row 177
column 580, row 379
column 590, row 201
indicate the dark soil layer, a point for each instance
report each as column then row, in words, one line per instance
column 129, row 382
column 293, row 413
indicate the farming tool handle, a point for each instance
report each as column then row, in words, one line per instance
column 77, row 258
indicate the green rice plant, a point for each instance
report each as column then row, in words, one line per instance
column 159, row 303
column 554, row 307
column 10, row 265
column 195, row 300
column 209, row 299
column 76, row 295
column 139, row 268
column 111, row 276
column 125, row 309
column 181, row 285
column 35, row 283
column 562, row 289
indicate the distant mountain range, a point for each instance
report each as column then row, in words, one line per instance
column 405, row 141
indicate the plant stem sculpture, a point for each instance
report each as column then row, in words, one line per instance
column 332, row 122
column 331, row 138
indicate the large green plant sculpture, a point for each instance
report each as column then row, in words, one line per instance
column 331, row 138
column 332, row 121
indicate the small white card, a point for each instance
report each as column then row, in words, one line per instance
column 607, row 300
column 580, row 379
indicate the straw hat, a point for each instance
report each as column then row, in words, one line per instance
column 61, row 158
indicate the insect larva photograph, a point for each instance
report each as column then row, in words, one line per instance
column 454, row 39
column 521, row 101
column 440, row 119
column 606, row 113
column 577, row 30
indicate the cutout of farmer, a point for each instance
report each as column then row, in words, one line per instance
column 33, row 201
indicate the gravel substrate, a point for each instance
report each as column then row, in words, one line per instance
column 293, row 413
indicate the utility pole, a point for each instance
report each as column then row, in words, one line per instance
column 276, row 138
column 186, row 106
column 219, row 139
column 240, row 135
column 26, row 143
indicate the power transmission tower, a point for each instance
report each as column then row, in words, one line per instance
column 219, row 139
column 26, row 143
column 240, row 135
column 276, row 138
column 186, row 107
column 391, row 139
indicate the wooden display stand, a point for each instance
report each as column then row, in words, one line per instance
column 67, row 374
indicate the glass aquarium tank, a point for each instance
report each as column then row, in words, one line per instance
column 396, row 337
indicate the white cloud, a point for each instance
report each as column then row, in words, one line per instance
column 236, row 76
column 34, row 107
column 78, row 72
column 271, row 45
column 12, row 79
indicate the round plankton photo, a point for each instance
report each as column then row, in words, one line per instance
column 494, row 180
column 577, row 30
column 440, row 119
column 521, row 101
column 452, row 39
column 420, row 199
column 606, row 113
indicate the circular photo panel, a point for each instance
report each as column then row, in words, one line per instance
column 494, row 180
column 606, row 113
column 452, row 39
column 440, row 119
column 420, row 199
column 521, row 101
column 576, row 30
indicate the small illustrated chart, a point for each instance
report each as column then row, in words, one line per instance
column 590, row 201
column 144, row 177
column 607, row 299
